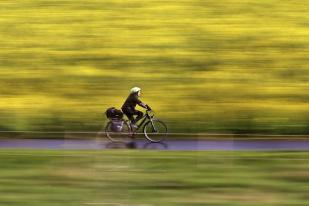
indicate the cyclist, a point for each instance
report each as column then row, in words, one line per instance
column 129, row 105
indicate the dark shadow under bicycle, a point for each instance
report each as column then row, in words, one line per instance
column 137, row 145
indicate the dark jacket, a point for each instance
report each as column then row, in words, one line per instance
column 132, row 101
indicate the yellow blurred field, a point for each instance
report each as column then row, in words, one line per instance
column 238, row 66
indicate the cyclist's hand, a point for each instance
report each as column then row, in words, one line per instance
column 148, row 108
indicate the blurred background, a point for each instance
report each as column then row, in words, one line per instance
column 229, row 66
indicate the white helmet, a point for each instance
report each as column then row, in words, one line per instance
column 135, row 90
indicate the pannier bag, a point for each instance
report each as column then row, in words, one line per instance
column 113, row 113
column 116, row 125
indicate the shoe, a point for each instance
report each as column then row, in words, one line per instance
column 133, row 126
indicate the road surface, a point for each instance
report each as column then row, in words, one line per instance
column 199, row 145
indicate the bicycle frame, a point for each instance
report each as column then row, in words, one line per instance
column 153, row 129
column 144, row 120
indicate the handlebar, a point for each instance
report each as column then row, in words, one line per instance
column 147, row 107
column 150, row 113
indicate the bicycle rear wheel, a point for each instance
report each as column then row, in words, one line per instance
column 121, row 135
column 155, row 130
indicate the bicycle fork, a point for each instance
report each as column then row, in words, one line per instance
column 153, row 127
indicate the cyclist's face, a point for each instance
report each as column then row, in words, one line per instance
column 139, row 93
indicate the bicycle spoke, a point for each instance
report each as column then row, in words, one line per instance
column 155, row 130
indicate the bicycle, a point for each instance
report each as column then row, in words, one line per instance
column 153, row 129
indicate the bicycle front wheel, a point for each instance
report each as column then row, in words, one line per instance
column 122, row 135
column 155, row 130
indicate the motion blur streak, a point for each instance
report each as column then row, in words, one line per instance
column 233, row 66
column 149, row 178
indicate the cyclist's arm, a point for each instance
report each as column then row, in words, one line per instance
column 143, row 105
column 140, row 103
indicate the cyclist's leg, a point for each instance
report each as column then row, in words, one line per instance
column 139, row 116
column 129, row 114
